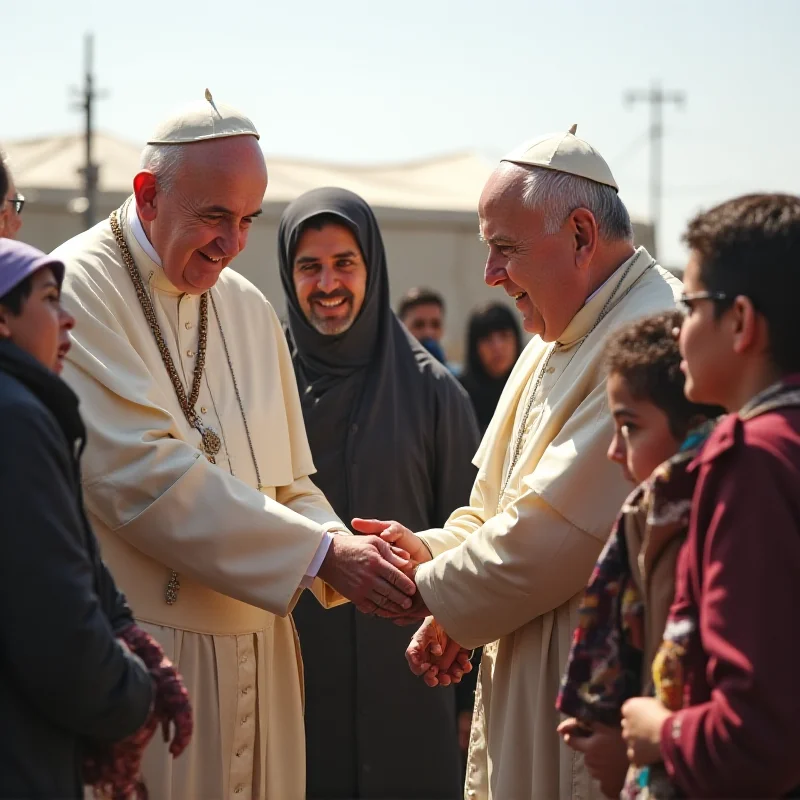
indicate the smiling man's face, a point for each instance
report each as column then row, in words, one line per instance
column 200, row 222
column 535, row 268
column 330, row 278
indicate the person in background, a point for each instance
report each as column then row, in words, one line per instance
column 724, row 722
column 494, row 343
column 624, row 609
column 422, row 312
column 72, row 686
column 11, row 205
column 371, row 395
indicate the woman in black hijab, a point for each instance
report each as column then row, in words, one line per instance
column 392, row 435
column 494, row 342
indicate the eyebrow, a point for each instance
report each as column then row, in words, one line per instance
column 228, row 212
column 496, row 239
column 623, row 412
column 312, row 259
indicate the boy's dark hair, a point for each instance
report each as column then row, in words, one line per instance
column 419, row 297
column 14, row 299
column 751, row 246
column 645, row 354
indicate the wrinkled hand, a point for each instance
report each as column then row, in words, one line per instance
column 436, row 657
column 369, row 572
column 604, row 752
column 396, row 534
column 642, row 720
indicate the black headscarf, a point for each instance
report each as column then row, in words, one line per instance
column 374, row 376
column 327, row 361
column 483, row 389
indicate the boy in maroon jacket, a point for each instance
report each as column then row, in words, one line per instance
column 730, row 656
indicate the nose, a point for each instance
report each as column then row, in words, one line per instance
column 616, row 450
column 67, row 321
column 494, row 272
column 231, row 240
column 327, row 280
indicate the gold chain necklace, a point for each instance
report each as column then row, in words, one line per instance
column 211, row 441
column 520, row 438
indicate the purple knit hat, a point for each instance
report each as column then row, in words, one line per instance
column 19, row 260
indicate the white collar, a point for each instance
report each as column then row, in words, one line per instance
column 139, row 234
column 586, row 302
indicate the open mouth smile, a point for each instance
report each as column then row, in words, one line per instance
column 208, row 258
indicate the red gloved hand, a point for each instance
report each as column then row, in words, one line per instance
column 172, row 703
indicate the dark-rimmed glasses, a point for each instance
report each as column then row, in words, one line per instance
column 18, row 202
column 686, row 301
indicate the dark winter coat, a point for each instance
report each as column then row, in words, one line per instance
column 64, row 676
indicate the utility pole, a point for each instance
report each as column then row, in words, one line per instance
column 656, row 97
column 90, row 170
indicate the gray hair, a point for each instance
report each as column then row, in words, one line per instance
column 163, row 161
column 558, row 194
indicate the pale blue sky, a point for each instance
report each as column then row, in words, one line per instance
column 358, row 81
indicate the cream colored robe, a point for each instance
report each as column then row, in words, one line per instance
column 156, row 503
column 509, row 569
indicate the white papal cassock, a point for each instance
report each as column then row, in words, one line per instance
column 158, row 505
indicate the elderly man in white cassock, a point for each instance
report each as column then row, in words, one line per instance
column 507, row 571
column 197, row 466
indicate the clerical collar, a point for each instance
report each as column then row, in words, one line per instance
column 593, row 294
column 137, row 229
column 612, row 291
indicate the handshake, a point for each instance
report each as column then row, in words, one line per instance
column 376, row 572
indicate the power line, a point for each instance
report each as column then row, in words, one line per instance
column 656, row 98
column 90, row 171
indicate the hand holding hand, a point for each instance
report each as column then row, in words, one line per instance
column 642, row 720
column 396, row 534
column 604, row 752
column 436, row 657
column 370, row 572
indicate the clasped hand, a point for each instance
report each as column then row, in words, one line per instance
column 432, row 654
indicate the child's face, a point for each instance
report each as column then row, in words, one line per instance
column 42, row 327
column 642, row 437
column 706, row 344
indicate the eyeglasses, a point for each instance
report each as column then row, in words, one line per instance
column 686, row 301
column 18, row 202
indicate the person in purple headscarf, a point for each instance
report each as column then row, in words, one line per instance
column 82, row 689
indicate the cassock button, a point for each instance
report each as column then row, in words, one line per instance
column 244, row 719
column 551, row 370
column 203, row 410
column 239, row 789
column 190, row 353
column 188, row 326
